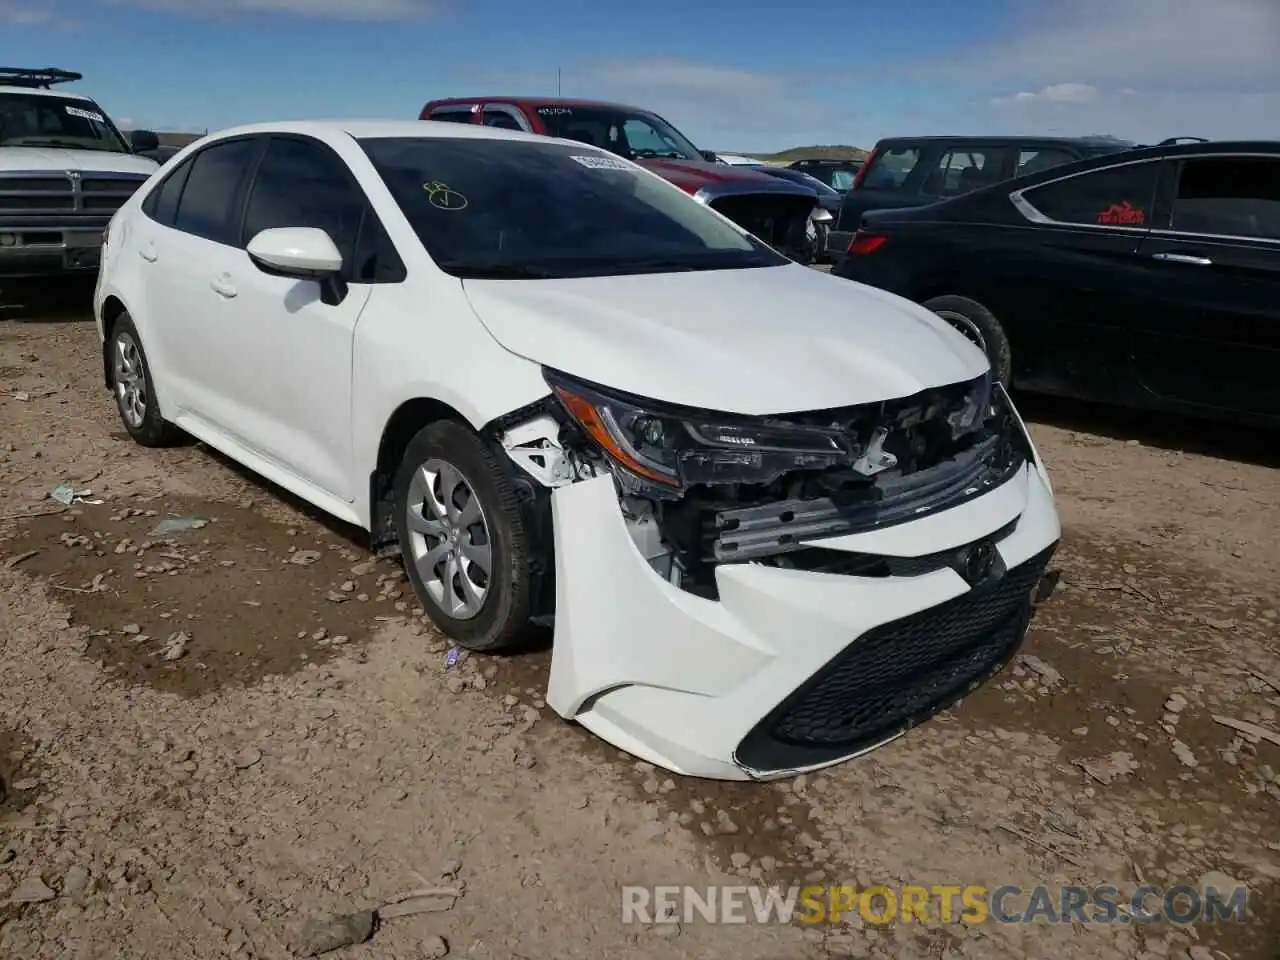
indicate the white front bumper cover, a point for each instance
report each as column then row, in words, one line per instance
column 758, row 684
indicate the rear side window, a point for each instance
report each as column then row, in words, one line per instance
column 889, row 169
column 210, row 203
column 962, row 170
column 161, row 204
column 1114, row 197
column 1033, row 161
column 1229, row 196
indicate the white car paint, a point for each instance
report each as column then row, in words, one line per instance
column 260, row 368
column 28, row 159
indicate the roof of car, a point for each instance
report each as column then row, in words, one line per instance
column 41, row 92
column 374, row 129
column 527, row 101
column 997, row 140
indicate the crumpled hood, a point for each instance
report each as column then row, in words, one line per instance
column 755, row 341
column 56, row 160
column 693, row 175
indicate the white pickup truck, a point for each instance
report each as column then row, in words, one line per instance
column 64, row 170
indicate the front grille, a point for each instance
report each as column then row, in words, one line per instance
column 779, row 220
column 90, row 196
column 898, row 674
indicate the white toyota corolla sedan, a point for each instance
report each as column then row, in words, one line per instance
column 776, row 517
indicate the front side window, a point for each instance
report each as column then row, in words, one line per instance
column 1229, row 196
column 211, row 198
column 301, row 184
column 1114, row 197
column 40, row 120
column 630, row 134
column 521, row 209
column 890, row 168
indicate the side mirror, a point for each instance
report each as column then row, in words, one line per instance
column 143, row 140
column 821, row 215
column 710, row 156
column 301, row 253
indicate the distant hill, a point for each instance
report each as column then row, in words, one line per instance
column 829, row 152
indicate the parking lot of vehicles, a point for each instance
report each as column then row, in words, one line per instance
column 775, row 211
column 251, row 702
column 64, row 170
column 1149, row 277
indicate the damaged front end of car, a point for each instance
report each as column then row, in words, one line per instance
column 709, row 569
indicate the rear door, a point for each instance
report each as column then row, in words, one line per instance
column 1212, row 335
column 1072, row 283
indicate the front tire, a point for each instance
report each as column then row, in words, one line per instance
column 463, row 539
column 134, row 388
column 980, row 326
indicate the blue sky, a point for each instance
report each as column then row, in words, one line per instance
column 732, row 74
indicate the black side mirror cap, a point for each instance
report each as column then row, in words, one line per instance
column 143, row 140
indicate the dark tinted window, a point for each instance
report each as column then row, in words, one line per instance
column 452, row 116
column 162, row 203
column 1033, row 161
column 1114, row 197
column 510, row 207
column 500, row 119
column 300, row 183
column 210, row 202
column 1230, row 196
column 890, row 168
column 962, row 170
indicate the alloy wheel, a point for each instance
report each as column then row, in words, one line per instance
column 965, row 326
column 130, row 377
column 449, row 538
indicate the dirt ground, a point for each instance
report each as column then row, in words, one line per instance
column 210, row 737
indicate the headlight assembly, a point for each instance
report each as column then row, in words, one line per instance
column 671, row 447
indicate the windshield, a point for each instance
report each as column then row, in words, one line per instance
column 39, row 120
column 520, row 209
column 628, row 133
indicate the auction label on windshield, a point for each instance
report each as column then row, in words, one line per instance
column 597, row 162
column 84, row 114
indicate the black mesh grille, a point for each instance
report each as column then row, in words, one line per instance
column 896, row 675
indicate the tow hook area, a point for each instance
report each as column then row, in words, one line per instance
column 1045, row 587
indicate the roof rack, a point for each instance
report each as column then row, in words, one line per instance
column 1170, row 141
column 38, row 78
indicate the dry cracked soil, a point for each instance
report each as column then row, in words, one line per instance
column 226, row 731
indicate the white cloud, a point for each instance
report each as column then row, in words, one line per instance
column 1054, row 93
column 22, row 14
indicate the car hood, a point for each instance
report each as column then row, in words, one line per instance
column 694, row 175
column 56, row 160
column 755, row 341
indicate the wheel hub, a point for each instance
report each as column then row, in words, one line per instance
column 449, row 539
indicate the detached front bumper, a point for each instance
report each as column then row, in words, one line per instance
column 789, row 670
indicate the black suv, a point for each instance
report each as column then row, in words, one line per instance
column 1148, row 278
column 909, row 171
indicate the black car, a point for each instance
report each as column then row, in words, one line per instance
column 836, row 174
column 909, row 171
column 1148, row 278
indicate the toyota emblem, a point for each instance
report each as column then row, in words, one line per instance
column 976, row 561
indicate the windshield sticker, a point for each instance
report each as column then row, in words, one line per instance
column 1123, row 214
column 599, row 162
column 443, row 197
column 84, row 114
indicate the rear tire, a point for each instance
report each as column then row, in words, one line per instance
column 979, row 326
column 462, row 538
column 134, row 388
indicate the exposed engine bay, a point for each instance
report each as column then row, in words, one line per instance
column 700, row 489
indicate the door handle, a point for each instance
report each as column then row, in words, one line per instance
column 148, row 253
column 1183, row 258
column 223, row 286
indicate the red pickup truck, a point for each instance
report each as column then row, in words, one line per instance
column 776, row 211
